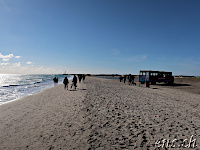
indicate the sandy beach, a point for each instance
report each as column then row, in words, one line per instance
column 103, row 114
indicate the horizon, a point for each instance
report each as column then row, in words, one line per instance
column 99, row 37
column 102, row 74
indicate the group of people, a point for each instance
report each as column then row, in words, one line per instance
column 130, row 79
column 74, row 81
column 55, row 80
column 81, row 77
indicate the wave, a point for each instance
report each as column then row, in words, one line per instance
column 13, row 87
column 37, row 82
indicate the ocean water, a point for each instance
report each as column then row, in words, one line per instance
column 15, row 86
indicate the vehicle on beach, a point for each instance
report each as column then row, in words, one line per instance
column 155, row 76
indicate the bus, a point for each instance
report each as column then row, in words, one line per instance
column 155, row 76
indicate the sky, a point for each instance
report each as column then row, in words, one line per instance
column 99, row 36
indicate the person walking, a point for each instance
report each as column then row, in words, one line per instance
column 79, row 77
column 83, row 77
column 120, row 78
column 74, row 82
column 124, row 79
column 129, row 79
column 66, row 82
column 132, row 80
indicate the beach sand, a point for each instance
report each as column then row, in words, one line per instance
column 101, row 114
column 191, row 85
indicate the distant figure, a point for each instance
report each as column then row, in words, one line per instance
column 55, row 80
column 120, row 78
column 66, row 82
column 129, row 79
column 124, row 79
column 133, row 78
column 74, row 82
column 147, row 82
column 83, row 77
column 80, row 77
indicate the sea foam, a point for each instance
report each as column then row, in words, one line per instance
column 15, row 86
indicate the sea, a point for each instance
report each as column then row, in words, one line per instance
column 15, row 86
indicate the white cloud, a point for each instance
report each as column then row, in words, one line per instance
column 29, row 63
column 17, row 56
column 6, row 56
column 19, row 68
column 5, row 59
column 4, row 64
column 17, row 64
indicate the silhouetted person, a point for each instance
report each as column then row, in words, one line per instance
column 55, row 80
column 147, row 82
column 66, row 82
column 83, row 77
column 79, row 77
column 129, row 79
column 74, row 82
column 124, row 79
column 120, row 78
column 132, row 79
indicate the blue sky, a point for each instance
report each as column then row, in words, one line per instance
column 101, row 36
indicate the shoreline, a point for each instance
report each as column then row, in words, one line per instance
column 34, row 92
column 19, row 98
column 100, row 114
column 187, row 84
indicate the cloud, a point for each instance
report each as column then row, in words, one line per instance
column 6, row 57
column 29, row 63
column 17, row 56
column 17, row 64
column 20, row 68
column 4, row 64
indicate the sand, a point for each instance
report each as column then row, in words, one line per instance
column 101, row 114
column 191, row 85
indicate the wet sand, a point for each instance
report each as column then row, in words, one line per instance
column 100, row 114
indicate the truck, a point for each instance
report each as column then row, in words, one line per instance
column 155, row 76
